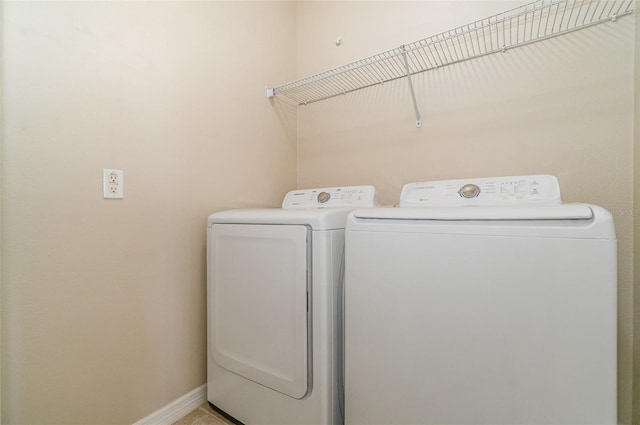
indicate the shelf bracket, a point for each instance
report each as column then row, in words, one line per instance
column 413, row 93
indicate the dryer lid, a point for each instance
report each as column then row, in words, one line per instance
column 316, row 219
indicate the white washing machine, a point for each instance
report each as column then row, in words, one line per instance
column 274, row 339
column 481, row 301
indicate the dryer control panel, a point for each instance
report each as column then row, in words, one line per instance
column 331, row 197
column 513, row 190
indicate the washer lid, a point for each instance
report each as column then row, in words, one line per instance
column 552, row 212
column 562, row 221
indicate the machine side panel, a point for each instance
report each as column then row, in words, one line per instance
column 473, row 329
column 252, row 403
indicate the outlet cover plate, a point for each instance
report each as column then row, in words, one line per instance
column 112, row 184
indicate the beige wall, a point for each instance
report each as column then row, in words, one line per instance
column 636, row 232
column 103, row 301
column 562, row 107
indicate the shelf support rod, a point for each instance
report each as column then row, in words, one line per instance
column 413, row 93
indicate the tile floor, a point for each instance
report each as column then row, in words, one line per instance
column 203, row 415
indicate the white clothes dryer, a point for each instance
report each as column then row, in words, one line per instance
column 481, row 301
column 274, row 338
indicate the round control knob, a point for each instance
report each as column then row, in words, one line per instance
column 469, row 191
column 323, row 197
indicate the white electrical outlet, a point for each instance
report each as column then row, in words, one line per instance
column 113, row 184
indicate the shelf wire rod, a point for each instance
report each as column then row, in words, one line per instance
column 619, row 9
column 534, row 20
column 397, row 66
column 319, row 88
column 380, row 76
column 595, row 9
column 580, row 11
column 510, row 33
column 437, row 62
column 604, row 7
column 415, row 60
column 627, row 10
column 463, row 41
column 453, row 46
column 490, row 37
column 361, row 76
column 484, row 37
column 546, row 25
column 555, row 18
column 368, row 73
column 610, row 9
column 573, row 7
column 335, row 85
column 446, row 50
column 439, row 55
column 586, row 12
column 475, row 44
column 384, row 70
column 426, row 55
column 524, row 32
column 469, row 43
column 437, row 47
column 531, row 16
column 539, row 24
column 346, row 81
column 356, row 78
column 445, row 41
column 459, row 48
column 421, row 59
column 564, row 12
column 476, row 34
column 411, row 63
column 548, row 31
column 547, row 16
column 353, row 78
column 481, row 40
column 364, row 77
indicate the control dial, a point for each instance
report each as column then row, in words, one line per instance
column 324, row 197
column 469, row 191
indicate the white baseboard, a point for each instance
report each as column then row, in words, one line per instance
column 176, row 409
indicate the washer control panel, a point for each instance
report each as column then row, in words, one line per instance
column 331, row 197
column 534, row 189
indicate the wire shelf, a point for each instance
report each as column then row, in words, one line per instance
column 532, row 22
